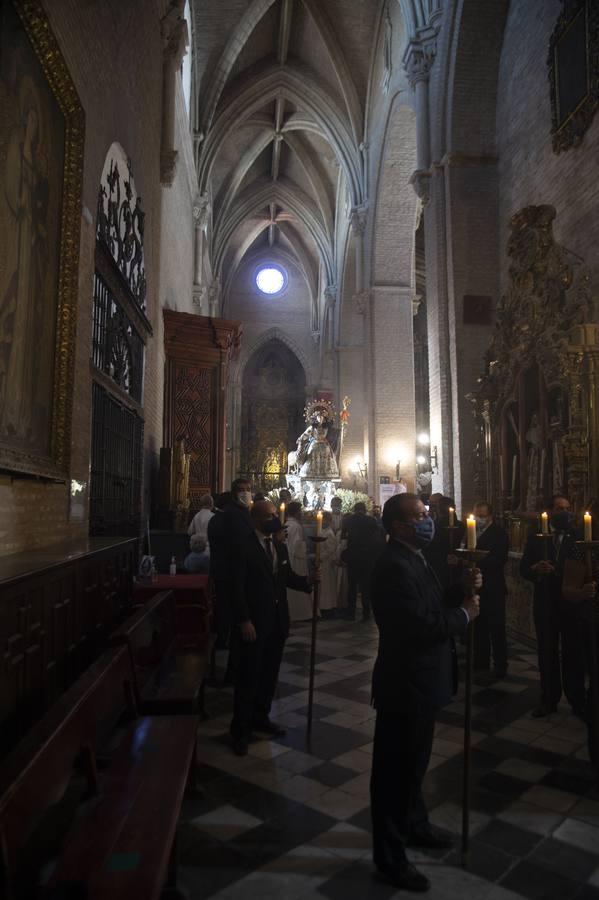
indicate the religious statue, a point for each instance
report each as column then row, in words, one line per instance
column 314, row 455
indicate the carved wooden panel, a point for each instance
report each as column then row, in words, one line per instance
column 193, row 421
column 53, row 624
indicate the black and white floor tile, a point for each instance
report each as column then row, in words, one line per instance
column 291, row 819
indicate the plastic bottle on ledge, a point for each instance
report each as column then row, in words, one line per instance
column 172, row 569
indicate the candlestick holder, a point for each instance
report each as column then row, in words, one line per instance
column 589, row 546
column 317, row 540
column 472, row 557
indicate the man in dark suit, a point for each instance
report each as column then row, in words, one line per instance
column 440, row 550
column 260, row 612
column 489, row 634
column 365, row 542
column 555, row 618
column 413, row 676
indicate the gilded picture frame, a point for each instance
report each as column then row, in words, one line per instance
column 42, row 129
column 573, row 64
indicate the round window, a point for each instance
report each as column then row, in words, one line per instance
column 271, row 280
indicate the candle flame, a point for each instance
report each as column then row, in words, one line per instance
column 471, row 517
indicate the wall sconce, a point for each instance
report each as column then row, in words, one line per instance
column 359, row 468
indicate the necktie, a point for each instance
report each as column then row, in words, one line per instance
column 269, row 551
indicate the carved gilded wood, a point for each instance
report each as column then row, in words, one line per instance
column 42, row 126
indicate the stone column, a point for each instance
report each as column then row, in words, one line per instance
column 418, row 60
column 358, row 221
column 201, row 212
column 175, row 40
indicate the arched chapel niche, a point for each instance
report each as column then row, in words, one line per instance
column 273, row 399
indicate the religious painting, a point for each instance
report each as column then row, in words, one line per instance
column 574, row 72
column 41, row 147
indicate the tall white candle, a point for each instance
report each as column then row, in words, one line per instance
column 471, row 533
column 282, row 513
column 588, row 527
column 544, row 523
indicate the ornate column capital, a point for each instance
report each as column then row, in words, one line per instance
column 201, row 210
column 420, row 181
column 416, row 301
column 174, row 32
column 362, row 301
column 358, row 218
column 420, row 54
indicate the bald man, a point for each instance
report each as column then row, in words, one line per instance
column 261, row 616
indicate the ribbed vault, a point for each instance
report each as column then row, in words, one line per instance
column 279, row 127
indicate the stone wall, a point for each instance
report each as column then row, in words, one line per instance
column 529, row 171
column 114, row 54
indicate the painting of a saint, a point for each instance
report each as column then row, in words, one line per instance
column 32, row 142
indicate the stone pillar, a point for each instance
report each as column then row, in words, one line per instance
column 175, row 40
column 358, row 221
column 393, row 383
column 418, row 59
column 201, row 212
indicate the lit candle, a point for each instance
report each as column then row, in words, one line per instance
column 588, row 527
column 471, row 533
column 318, row 530
column 451, row 516
column 282, row 513
column 544, row 523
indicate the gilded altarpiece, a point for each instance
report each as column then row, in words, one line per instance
column 199, row 351
column 274, row 394
column 535, row 404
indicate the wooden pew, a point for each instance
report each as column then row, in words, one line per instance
column 122, row 841
column 169, row 667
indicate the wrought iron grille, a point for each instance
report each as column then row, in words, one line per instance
column 117, row 349
column 116, row 470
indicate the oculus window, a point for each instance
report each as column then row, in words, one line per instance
column 271, row 280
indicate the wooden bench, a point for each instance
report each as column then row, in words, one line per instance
column 169, row 666
column 121, row 843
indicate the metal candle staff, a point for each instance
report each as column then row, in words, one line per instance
column 451, row 528
column 317, row 540
column 589, row 545
column 545, row 536
column 472, row 556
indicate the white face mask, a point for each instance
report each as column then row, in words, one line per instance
column 245, row 498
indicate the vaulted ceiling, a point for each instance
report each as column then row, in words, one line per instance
column 281, row 88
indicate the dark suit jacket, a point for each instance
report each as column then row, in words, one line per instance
column 258, row 594
column 413, row 669
column 495, row 540
column 365, row 540
column 439, row 549
column 534, row 551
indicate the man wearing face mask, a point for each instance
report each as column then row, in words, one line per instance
column 413, row 677
column 556, row 620
column 260, row 612
column 489, row 634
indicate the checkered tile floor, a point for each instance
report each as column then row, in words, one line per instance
column 291, row 820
